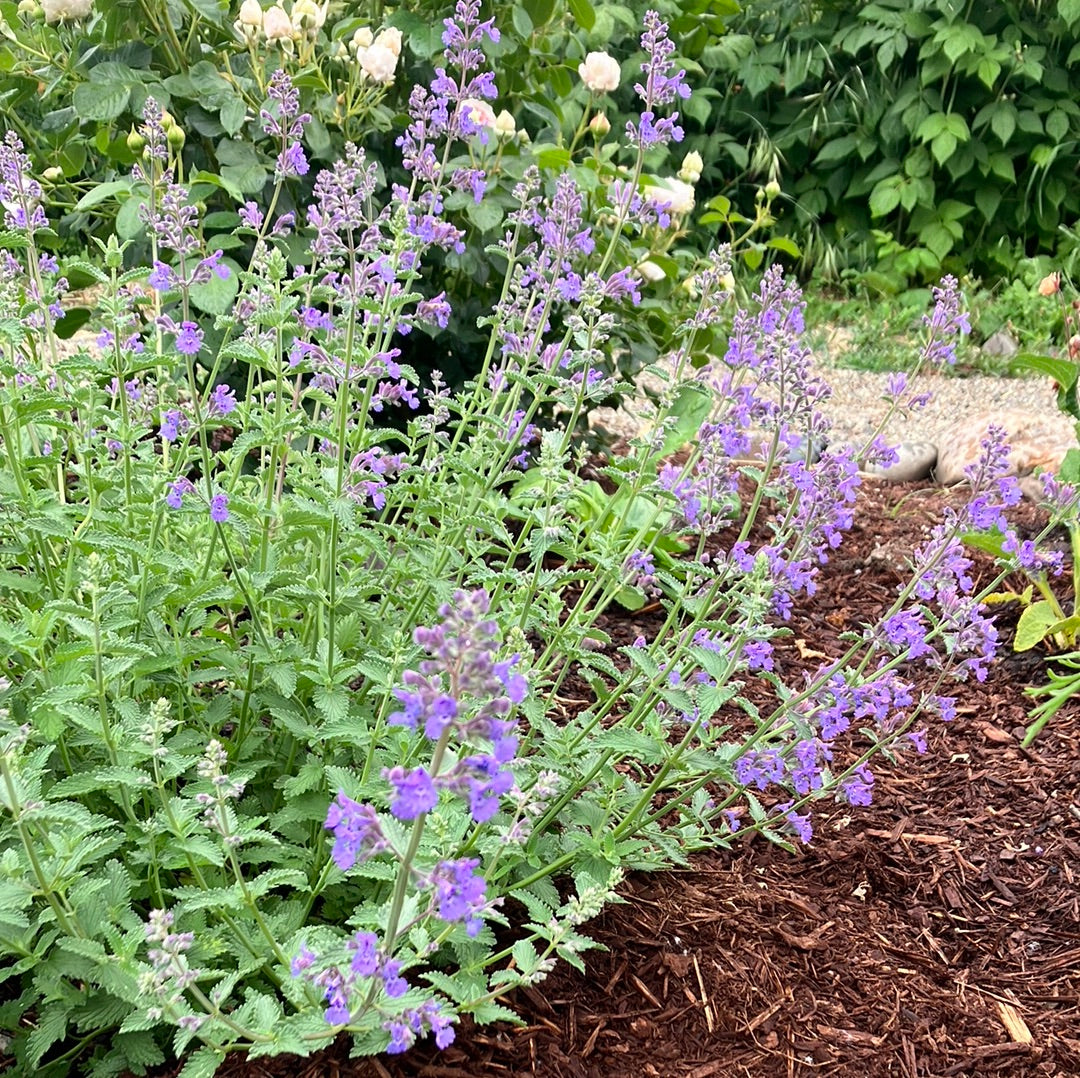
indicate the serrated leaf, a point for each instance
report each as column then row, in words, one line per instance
column 203, row 1064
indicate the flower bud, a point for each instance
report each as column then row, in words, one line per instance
column 772, row 190
column 30, row 8
column 251, row 14
column 176, row 138
column 277, row 26
column 651, row 271
column 53, row 175
column 167, row 121
column 308, row 17
column 600, row 72
column 599, row 125
column 505, row 125
column 1050, row 285
column 361, row 40
column 691, row 167
column 135, row 142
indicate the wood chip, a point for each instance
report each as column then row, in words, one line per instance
column 1013, row 1022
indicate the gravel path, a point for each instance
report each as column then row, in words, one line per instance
column 856, row 406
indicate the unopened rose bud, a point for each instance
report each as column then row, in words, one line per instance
column 505, row 125
column 361, row 40
column 1074, row 346
column 600, row 72
column 651, row 271
column 251, row 14
column 167, row 121
column 772, row 190
column 30, row 8
column 1050, row 285
column 277, row 26
column 691, row 167
column 53, row 175
column 176, row 138
column 135, row 142
column 600, row 125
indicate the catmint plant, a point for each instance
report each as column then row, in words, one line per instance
column 283, row 744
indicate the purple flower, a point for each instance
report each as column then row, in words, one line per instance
column 414, row 792
column 304, row 960
column 222, row 400
column 946, row 322
column 460, row 893
column 177, row 489
column 219, row 508
column 357, row 832
column 189, row 339
column 292, row 162
column 162, row 277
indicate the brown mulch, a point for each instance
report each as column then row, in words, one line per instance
column 936, row 933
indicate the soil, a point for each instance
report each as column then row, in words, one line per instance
column 936, row 933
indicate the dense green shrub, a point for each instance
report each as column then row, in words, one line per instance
column 913, row 135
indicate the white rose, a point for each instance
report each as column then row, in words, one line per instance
column 480, row 112
column 390, row 38
column 651, row 271
column 277, row 25
column 600, row 72
column 58, row 10
column 378, row 63
column 672, row 195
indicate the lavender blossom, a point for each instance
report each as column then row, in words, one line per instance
column 357, row 832
column 661, row 88
column 944, row 324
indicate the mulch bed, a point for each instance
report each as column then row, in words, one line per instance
column 935, row 933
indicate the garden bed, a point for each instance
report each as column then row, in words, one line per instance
column 934, row 933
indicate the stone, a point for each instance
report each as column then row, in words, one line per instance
column 1036, row 443
column 1002, row 343
column 916, row 461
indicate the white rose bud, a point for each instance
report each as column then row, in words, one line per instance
column 53, row 175
column 600, row 125
column 379, row 64
column 29, row 7
column 307, row 17
column 250, row 14
column 504, row 125
column 651, row 271
column 691, row 167
column 277, row 26
column 600, row 72
column 390, row 38
column 60, row 10
column 361, row 40
column 772, row 190
column 480, row 112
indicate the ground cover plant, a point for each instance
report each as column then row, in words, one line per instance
column 283, row 754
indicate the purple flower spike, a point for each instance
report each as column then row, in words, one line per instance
column 219, row 508
column 460, row 893
column 661, row 88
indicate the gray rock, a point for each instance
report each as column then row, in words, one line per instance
column 1036, row 442
column 916, row 461
column 1002, row 343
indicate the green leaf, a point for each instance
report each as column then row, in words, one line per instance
column 885, row 197
column 988, row 199
column 1034, row 625
column 216, row 295
column 102, row 192
column 1061, row 370
column 782, row 243
column 203, row 1064
column 1003, row 121
column 100, row 100
column 583, row 13
column 486, row 215
column 1069, row 10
